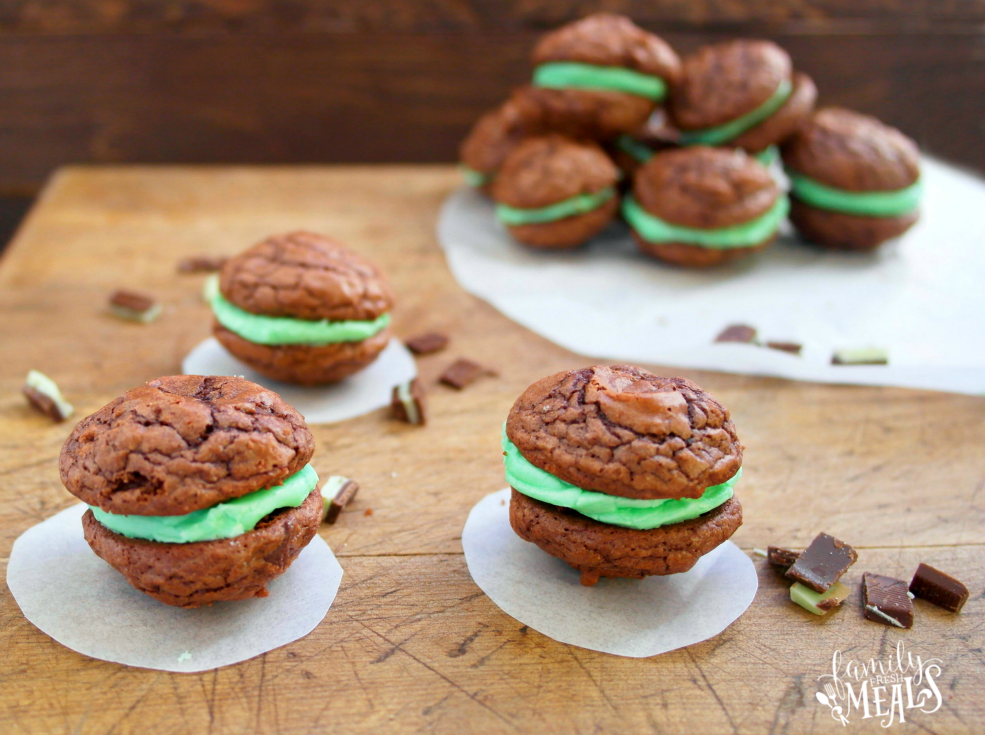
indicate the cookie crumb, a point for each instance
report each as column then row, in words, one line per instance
column 589, row 578
column 822, row 563
column 819, row 603
column 425, row 344
column 43, row 395
column 201, row 264
column 339, row 492
column 737, row 333
column 780, row 557
column 861, row 356
column 793, row 348
column 938, row 588
column 885, row 600
column 368, row 512
column 134, row 306
column 408, row 403
column 463, row 372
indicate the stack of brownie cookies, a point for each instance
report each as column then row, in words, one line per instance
column 614, row 122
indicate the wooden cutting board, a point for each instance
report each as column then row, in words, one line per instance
column 411, row 644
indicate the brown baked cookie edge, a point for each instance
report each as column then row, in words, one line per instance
column 200, row 573
column 569, row 232
column 304, row 364
column 603, row 550
column 693, row 256
column 843, row 231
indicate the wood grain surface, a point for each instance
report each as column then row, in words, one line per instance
column 305, row 81
column 411, row 644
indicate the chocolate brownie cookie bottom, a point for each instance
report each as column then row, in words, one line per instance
column 692, row 256
column 304, row 364
column 195, row 574
column 843, row 231
column 603, row 550
column 567, row 232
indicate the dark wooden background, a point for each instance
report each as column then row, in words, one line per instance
column 310, row 81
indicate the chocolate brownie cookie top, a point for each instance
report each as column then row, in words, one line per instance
column 727, row 80
column 604, row 39
column 183, row 443
column 851, row 151
column 784, row 122
column 493, row 136
column 705, row 187
column 593, row 114
column 305, row 276
column 550, row 169
column 624, row 431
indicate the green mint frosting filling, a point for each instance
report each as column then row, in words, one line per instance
column 285, row 330
column 580, row 204
column 627, row 512
column 639, row 152
column 768, row 155
column 866, row 203
column 225, row 520
column 472, row 177
column 573, row 74
column 746, row 234
column 734, row 128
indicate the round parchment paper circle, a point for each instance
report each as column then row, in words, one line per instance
column 75, row 597
column 366, row 391
column 625, row 617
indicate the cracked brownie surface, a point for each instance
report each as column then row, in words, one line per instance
column 183, row 443
column 854, row 152
column 549, row 169
column 604, row 39
column 306, row 276
column 602, row 550
column 705, row 187
column 190, row 575
column 624, row 431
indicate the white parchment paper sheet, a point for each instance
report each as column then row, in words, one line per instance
column 625, row 617
column 921, row 297
column 367, row 390
column 83, row 603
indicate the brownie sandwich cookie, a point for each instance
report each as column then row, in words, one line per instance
column 632, row 150
column 553, row 192
column 741, row 94
column 703, row 206
column 199, row 488
column 598, row 77
column 854, row 181
column 491, row 139
column 621, row 473
column 300, row 308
